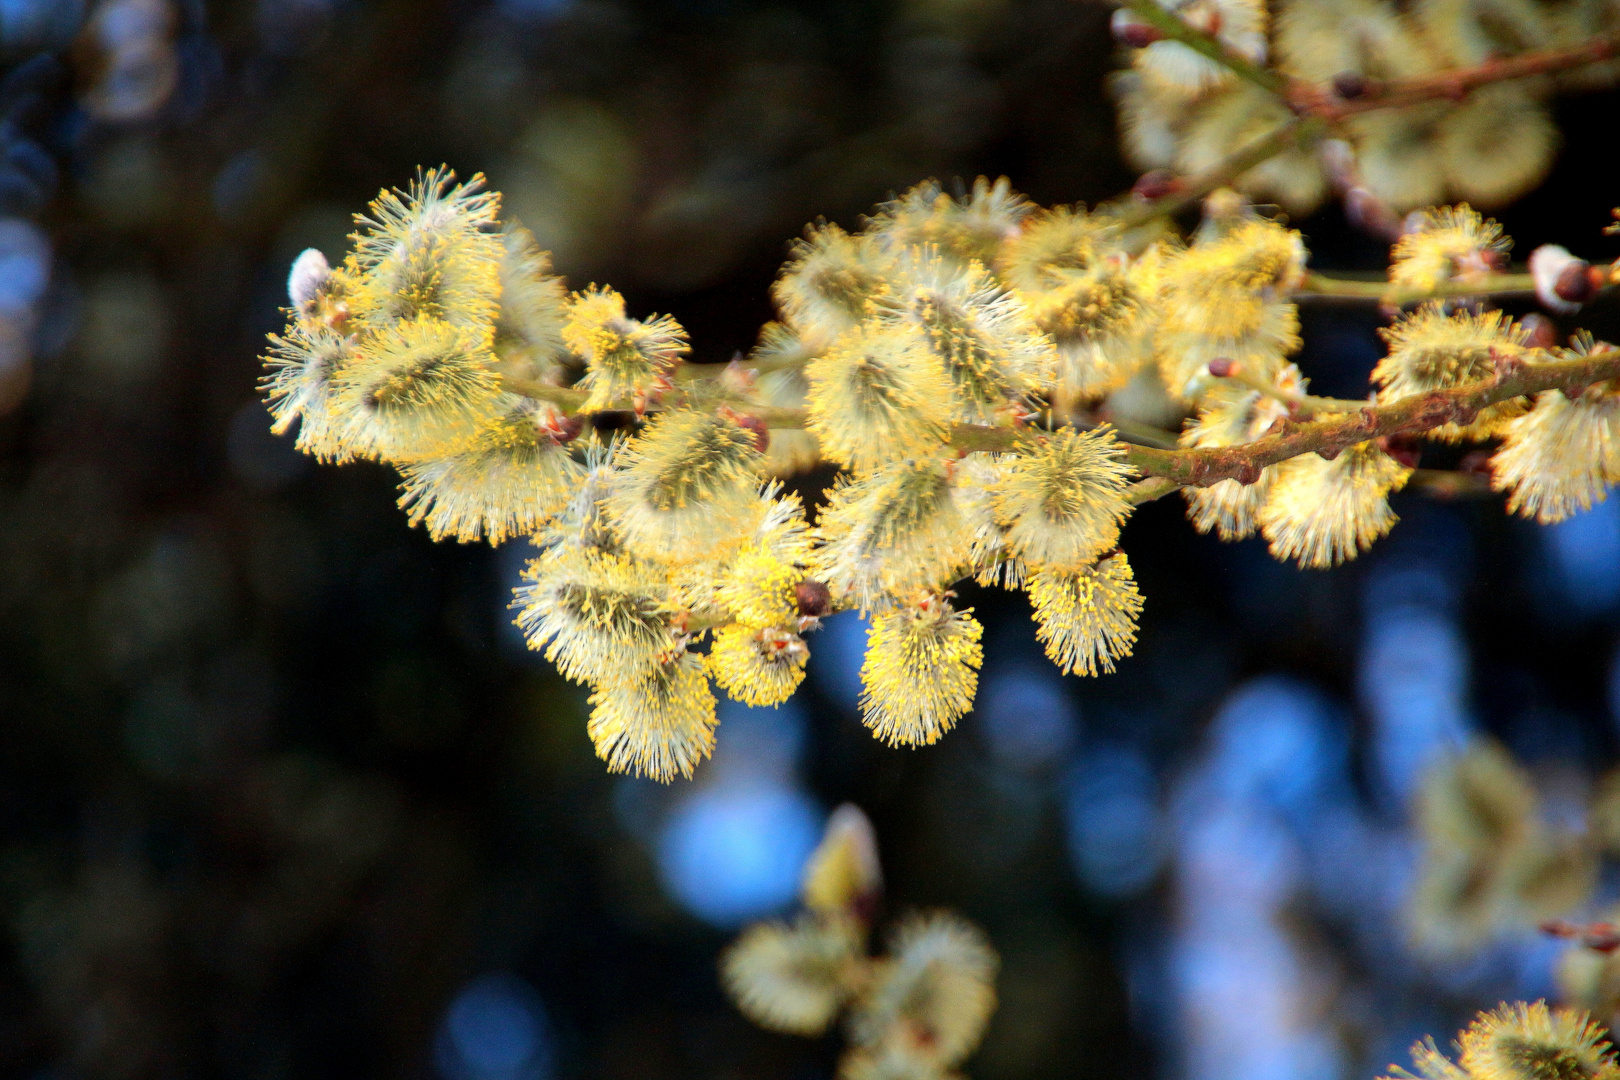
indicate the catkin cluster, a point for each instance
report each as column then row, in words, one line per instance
column 953, row 357
column 912, row 1014
column 1183, row 111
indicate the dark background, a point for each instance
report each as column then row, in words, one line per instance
column 281, row 793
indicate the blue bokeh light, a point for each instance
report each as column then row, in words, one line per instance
column 1584, row 554
column 1413, row 680
column 1027, row 716
column 495, row 1029
column 734, row 852
column 1115, row 827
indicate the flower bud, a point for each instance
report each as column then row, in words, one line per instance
column 813, row 597
column 1540, row 332
column 1350, row 85
column 1221, row 367
column 1562, row 282
column 1132, row 31
column 309, row 272
column 1156, row 184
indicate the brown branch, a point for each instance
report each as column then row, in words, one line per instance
column 1451, row 85
column 1418, row 413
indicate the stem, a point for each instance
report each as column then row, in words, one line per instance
column 1417, row 413
column 1174, row 26
column 1321, row 285
column 1454, row 84
column 1279, row 140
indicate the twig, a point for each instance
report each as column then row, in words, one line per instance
column 1452, row 85
column 1318, row 285
column 1280, row 140
column 1419, row 412
column 1174, row 26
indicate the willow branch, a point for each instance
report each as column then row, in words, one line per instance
column 1279, row 140
column 1451, row 85
column 1174, row 26
column 1322, row 286
column 1330, row 435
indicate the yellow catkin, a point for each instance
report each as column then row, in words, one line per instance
column 1432, row 349
column 1562, row 456
column 508, row 482
column 1532, row 1042
column 685, row 487
column 625, row 359
column 932, row 999
column 1062, row 497
column 793, row 977
column 920, row 673
column 892, row 534
column 758, row 665
column 1322, row 513
column 656, row 722
column 1086, row 619
column 879, row 395
column 1450, row 243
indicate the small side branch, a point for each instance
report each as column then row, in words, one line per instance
column 1418, row 413
column 1174, row 26
column 1451, row 85
column 1318, row 285
column 1280, row 140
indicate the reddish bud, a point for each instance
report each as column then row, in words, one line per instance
column 1133, row 32
column 813, row 597
column 1350, row 85
column 1574, row 283
column 1475, row 463
column 1540, row 332
column 1403, row 448
column 1221, row 367
column 1371, row 214
column 762, row 434
column 1156, row 184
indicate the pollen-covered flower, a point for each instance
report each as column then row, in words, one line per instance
column 626, row 360
column 843, row 873
column 793, row 977
column 964, row 230
column 1496, row 144
column 1322, row 512
column 430, row 253
column 508, row 482
column 990, row 558
column 419, row 388
column 757, row 587
column 685, row 486
column 891, row 534
column 1223, row 297
column 758, row 665
column 934, row 995
column 1449, row 243
column 1062, row 497
column 656, row 721
column 921, row 670
column 1232, row 415
column 828, row 284
column 1561, row 456
column 1532, row 1042
column 298, row 386
column 533, row 303
column 1241, row 115
column 1072, row 272
column 1430, row 349
column 984, row 338
column 879, row 395
column 596, row 614
column 1086, row 618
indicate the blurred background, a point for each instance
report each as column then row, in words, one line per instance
column 282, row 794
